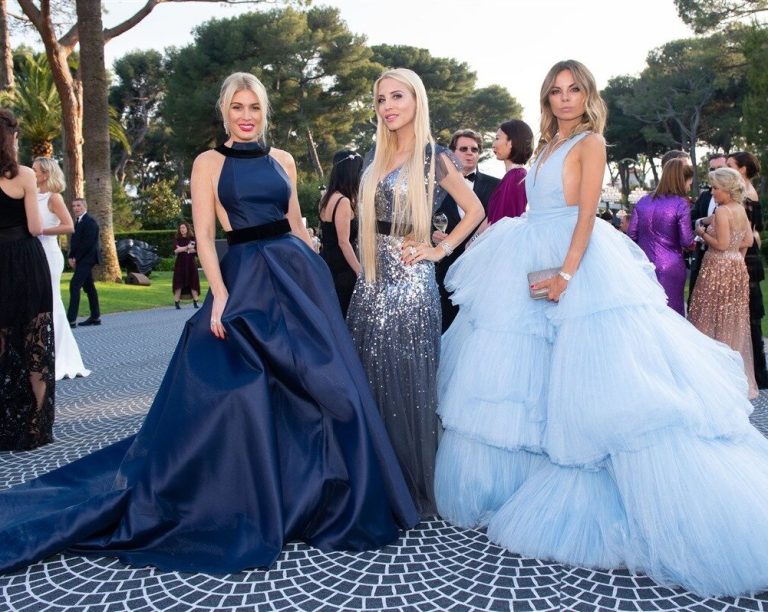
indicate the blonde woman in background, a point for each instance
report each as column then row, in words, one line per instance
column 720, row 300
column 394, row 314
column 57, row 221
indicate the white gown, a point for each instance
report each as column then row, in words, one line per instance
column 69, row 363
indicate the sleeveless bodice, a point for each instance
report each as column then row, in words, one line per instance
column 732, row 250
column 392, row 182
column 49, row 220
column 12, row 213
column 253, row 187
column 544, row 182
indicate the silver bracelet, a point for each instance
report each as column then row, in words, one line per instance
column 446, row 247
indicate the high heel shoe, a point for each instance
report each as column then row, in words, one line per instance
column 194, row 304
column 178, row 306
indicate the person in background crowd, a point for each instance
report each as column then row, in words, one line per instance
column 748, row 167
column 702, row 208
column 661, row 225
column 338, row 224
column 467, row 145
column 674, row 154
column 56, row 221
column 84, row 254
column 394, row 315
column 720, row 301
column 514, row 146
column 186, row 279
column 27, row 367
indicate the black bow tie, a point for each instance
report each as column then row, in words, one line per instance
column 471, row 176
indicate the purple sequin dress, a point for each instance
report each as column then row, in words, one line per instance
column 661, row 226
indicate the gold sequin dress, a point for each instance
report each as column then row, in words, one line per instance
column 720, row 301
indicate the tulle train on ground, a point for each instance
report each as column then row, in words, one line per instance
column 602, row 431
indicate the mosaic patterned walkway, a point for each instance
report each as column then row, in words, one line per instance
column 434, row 567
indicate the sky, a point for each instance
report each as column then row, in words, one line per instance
column 512, row 43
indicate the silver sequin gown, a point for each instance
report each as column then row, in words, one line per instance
column 395, row 324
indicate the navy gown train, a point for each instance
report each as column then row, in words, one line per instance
column 269, row 436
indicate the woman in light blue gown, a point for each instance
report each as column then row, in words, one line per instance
column 656, row 468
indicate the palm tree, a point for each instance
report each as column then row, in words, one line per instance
column 36, row 102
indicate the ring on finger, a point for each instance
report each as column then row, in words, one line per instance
column 412, row 250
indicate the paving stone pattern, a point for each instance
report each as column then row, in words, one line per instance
column 433, row 567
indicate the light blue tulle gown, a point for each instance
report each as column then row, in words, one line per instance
column 601, row 431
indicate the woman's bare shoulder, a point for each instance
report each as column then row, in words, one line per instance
column 285, row 158
column 208, row 159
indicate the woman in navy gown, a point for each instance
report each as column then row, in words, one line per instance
column 264, row 429
column 656, row 469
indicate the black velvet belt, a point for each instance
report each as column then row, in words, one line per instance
column 259, row 232
column 385, row 227
column 15, row 232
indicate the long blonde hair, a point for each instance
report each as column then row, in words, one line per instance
column 595, row 110
column 412, row 215
column 242, row 81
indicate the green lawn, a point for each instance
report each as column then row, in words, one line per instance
column 114, row 297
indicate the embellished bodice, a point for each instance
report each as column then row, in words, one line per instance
column 732, row 251
column 394, row 183
column 544, row 182
column 661, row 224
column 253, row 187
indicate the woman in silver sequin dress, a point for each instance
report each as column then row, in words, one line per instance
column 394, row 315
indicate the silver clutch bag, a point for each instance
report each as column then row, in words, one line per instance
column 537, row 277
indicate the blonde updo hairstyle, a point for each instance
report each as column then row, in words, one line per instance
column 412, row 213
column 730, row 181
column 242, row 81
column 54, row 177
column 595, row 110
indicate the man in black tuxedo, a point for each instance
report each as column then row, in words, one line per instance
column 467, row 145
column 704, row 207
column 83, row 255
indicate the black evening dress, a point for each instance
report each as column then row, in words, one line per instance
column 344, row 276
column 756, row 270
column 27, row 366
column 267, row 436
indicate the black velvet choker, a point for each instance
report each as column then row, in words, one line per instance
column 243, row 150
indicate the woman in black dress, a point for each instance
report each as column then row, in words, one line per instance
column 338, row 224
column 186, row 279
column 748, row 166
column 27, row 366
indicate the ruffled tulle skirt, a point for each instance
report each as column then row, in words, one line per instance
column 603, row 430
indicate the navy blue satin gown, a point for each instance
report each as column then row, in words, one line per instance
column 268, row 436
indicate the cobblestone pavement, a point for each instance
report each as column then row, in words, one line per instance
column 433, row 567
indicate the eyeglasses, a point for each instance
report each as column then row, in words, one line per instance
column 473, row 149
